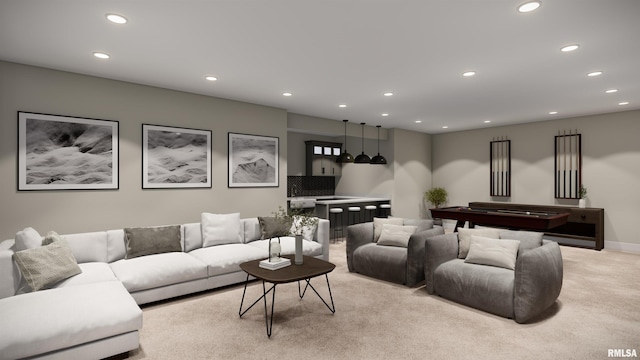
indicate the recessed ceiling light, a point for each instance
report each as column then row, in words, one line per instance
column 468, row 73
column 611, row 91
column 623, row 103
column 342, row 105
column 286, row 94
column 117, row 19
column 445, row 127
column 101, row 55
column 595, row 73
column 418, row 121
column 388, row 93
column 487, row 121
column 529, row 6
column 211, row 78
column 384, row 114
column 569, row 48
column 553, row 112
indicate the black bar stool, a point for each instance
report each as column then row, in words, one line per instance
column 385, row 210
column 336, row 216
column 370, row 211
column 354, row 215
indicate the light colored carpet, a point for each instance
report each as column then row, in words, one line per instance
column 598, row 309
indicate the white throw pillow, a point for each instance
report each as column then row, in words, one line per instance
column 220, row 229
column 27, row 239
column 379, row 222
column 464, row 238
column 396, row 235
column 494, row 252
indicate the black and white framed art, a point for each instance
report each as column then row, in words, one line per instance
column 174, row 157
column 253, row 161
column 67, row 153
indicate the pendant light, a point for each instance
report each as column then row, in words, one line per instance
column 378, row 159
column 362, row 158
column 345, row 157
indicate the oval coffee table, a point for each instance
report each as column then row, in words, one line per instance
column 310, row 268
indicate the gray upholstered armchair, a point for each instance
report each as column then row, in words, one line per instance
column 520, row 294
column 398, row 264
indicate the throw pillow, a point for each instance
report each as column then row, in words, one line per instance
column 396, row 235
column 273, row 227
column 379, row 222
column 307, row 231
column 220, row 229
column 421, row 224
column 51, row 237
column 528, row 239
column 464, row 238
column 47, row 265
column 494, row 252
column 28, row 238
column 152, row 240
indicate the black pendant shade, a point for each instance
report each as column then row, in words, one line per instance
column 378, row 159
column 362, row 158
column 345, row 157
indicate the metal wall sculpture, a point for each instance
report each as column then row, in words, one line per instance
column 500, row 167
column 568, row 165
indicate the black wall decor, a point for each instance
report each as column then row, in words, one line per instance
column 568, row 165
column 500, row 154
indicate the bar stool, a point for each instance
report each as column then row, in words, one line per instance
column 354, row 215
column 370, row 211
column 335, row 216
column 385, row 210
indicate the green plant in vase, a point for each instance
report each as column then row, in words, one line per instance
column 436, row 196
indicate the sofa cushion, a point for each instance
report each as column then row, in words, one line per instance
column 493, row 252
column 488, row 288
column 388, row 263
column 252, row 231
column 464, row 238
column 88, row 247
column 271, row 227
column 224, row 259
column 66, row 317
column 421, row 224
column 379, row 222
column 44, row 266
column 92, row 272
column 148, row 272
column 288, row 246
column 192, row 235
column 28, row 238
column 220, row 229
column 396, row 235
column 528, row 239
column 152, row 240
column 305, row 226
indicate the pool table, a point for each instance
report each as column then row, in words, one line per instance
column 507, row 218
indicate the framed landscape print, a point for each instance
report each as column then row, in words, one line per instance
column 253, row 161
column 66, row 153
column 175, row 157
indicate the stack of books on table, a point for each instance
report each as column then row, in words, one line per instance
column 275, row 264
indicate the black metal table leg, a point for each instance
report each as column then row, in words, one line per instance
column 331, row 308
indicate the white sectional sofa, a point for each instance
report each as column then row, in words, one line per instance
column 95, row 314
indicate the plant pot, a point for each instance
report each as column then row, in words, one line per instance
column 298, row 256
column 582, row 203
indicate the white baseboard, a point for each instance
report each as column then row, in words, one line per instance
column 622, row 246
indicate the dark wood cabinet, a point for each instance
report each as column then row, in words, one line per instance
column 321, row 158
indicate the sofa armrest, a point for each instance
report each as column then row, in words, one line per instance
column 437, row 250
column 538, row 280
column 357, row 235
column 322, row 237
column 415, row 254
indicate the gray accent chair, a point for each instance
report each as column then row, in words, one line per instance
column 390, row 263
column 519, row 294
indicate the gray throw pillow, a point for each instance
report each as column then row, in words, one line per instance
column 47, row 265
column 528, row 239
column 152, row 240
column 420, row 224
column 272, row 227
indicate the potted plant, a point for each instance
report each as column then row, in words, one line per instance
column 297, row 221
column 436, row 196
column 582, row 193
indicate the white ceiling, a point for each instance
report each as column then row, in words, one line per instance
column 329, row 52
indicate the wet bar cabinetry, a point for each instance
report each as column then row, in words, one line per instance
column 321, row 158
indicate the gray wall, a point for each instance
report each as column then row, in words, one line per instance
column 611, row 168
column 26, row 88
